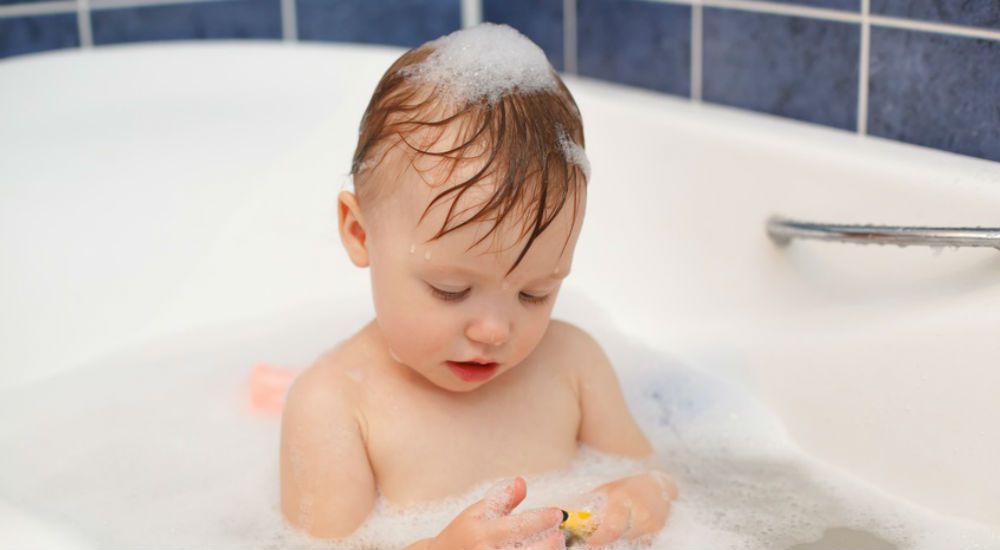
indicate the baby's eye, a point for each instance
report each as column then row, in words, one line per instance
column 531, row 299
column 455, row 296
column 446, row 295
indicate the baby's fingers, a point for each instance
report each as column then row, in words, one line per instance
column 530, row 523
column 614, row 525
column 551, row 539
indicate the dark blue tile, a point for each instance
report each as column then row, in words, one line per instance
column 406, row 23
column 213, row 20
column 936, row 90
column 539, row 20
column 646, row 44
column 850, row 5
column 977, row 13
column 37, row 33
column 794, row 67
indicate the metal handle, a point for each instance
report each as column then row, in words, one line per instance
column 782, row 230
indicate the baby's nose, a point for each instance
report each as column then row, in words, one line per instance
column 490, row 331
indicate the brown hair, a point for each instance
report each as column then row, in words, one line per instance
column 523, row 134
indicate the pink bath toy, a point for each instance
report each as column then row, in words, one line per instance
column 268, row 386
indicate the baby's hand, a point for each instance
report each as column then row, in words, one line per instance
column 488, row 525
column 637, row 506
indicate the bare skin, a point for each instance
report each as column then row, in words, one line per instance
column 384, row 413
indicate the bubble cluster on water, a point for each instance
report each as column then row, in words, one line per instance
column 155, row 447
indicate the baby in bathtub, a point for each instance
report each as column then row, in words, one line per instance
column 469, row 194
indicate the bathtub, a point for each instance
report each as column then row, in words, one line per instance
column 148, row 190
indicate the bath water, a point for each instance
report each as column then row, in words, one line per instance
column 156, row 447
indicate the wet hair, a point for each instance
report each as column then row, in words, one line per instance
column 530, row 143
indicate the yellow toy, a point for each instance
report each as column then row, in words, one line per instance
column 577, row 526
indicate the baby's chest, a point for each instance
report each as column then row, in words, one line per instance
column 421, row 452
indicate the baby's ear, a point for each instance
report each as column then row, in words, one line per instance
column 352, row 228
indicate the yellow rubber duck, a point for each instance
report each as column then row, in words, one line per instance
column 577, row 526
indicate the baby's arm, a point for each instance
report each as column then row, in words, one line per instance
column 327, row 486
column 637, row 505
column 605, row 421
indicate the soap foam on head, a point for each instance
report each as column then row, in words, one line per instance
column 154, row 448
column 575, row 155
column 484, row 62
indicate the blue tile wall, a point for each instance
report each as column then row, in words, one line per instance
column 800, row 68
column 539, row 20
column 851, row 5
column 37, row 33
column 646, row 44
column 215, row 20
column 979, row 13
column 405, row 23
column 935, row 90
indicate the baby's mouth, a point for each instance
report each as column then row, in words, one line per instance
column 474, row 363
column 472, row 371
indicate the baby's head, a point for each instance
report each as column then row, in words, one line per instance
column 470, row 188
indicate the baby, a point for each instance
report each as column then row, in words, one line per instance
column 470, row 188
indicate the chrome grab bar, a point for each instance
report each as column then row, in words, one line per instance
column 782, row 230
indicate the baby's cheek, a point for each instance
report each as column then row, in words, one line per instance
column 531, row 334
column 424, row 335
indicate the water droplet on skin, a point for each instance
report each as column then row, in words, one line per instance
column 505, row 285
column 394, row 356
column 356, row 375
column 427, row 255
column 413, row 248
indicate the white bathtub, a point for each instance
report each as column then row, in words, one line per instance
column 152, row 189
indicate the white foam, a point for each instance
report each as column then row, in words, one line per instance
column 485, row 61
column 574, row 154
column 154, row 448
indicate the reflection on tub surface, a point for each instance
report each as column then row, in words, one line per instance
column 156, row 447
column 840, row 538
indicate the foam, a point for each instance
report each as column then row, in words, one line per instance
column 484, row 61
column 575, row 154
column 153, row 448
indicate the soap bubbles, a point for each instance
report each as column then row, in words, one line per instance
column 155, row 447
column 485, row 61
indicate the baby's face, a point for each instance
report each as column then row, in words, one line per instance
column 438, row 303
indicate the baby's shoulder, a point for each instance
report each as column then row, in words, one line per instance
column 571, row 347
column 334, row 379
column 569, row 341
column 565, row 329
column 576, row 349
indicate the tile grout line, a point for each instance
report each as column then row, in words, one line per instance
column 863, row 64
column 844, row 16
column 782, row 9
column 939, row 28
column 69, row 6
column 289, row 21
column 38, row 8
column 113, row 4
column 472, row 13
column 570, row 51
column 697, row 44
column 83, row 25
